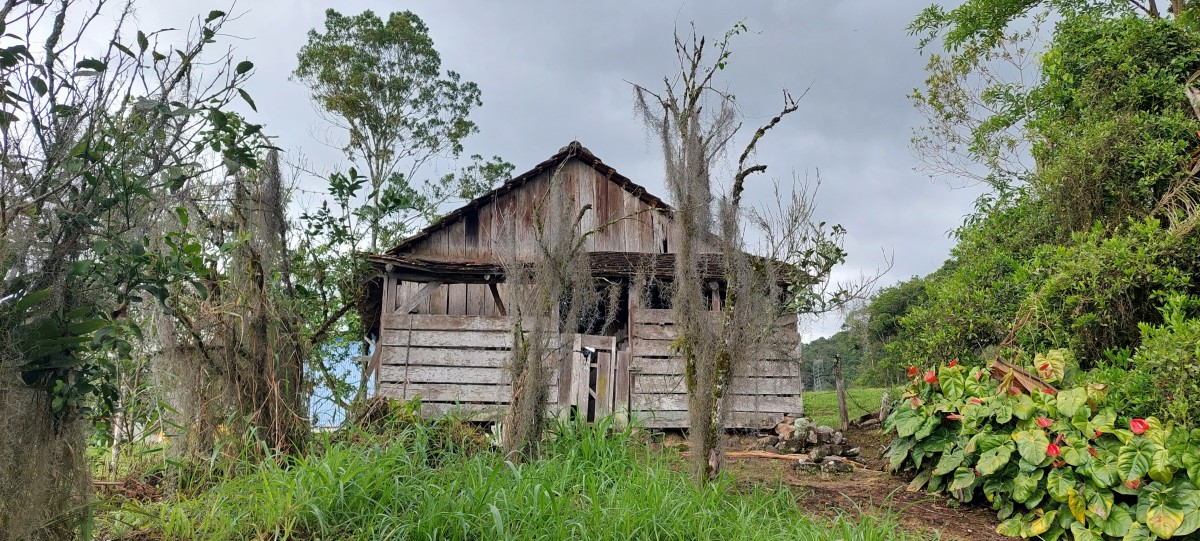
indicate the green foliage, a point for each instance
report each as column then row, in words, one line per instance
column 382, row 82
column 592, row 482
column 1050, row 465
column 1170, row 354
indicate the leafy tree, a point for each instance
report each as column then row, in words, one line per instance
column 91, row 140
column 381, row 82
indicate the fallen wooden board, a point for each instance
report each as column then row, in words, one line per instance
column 790, row 456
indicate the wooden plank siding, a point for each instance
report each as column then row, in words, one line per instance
column 765, row 388
column 633, row 226
column 453, row 363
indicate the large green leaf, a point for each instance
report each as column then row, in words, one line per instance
column 1079, row 532
column 1060, row 482
column 1133, row 459
column 1070, row 400
column 899, row 451
column 1190, row 499
column 1103, row 469
column 1160, row 466
column 1118, row 522
column 1031, row 444
column 1025, row 485
column 927, row 427
column 1099, row 501
column 963, row 479
column 948, row 462
column 1024, row 408
column 995, row 458
column 1077, row 505
column 1102, row 422
column 1139, row 532
column 1164, row 513
column 1010, row 527
column 952, row 382
column 1039, row 524
column 907, row 422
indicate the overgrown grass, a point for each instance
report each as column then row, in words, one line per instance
column 822, row 406
column 591, row 483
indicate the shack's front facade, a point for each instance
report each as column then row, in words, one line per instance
column 444, row 334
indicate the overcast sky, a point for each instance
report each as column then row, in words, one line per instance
column 555, row 71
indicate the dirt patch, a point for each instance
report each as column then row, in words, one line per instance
column 868, row 490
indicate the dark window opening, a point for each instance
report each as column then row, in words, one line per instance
column 657, row 295
column 605, row 319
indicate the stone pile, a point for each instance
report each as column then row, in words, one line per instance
column 827, row 448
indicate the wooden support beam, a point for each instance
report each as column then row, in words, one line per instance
column 496, row 297
column 411, row 302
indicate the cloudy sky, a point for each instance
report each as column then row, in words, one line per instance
column 554, row 71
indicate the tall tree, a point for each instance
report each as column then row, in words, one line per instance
column 381, row 83
column 90, row 137
column 695, row 124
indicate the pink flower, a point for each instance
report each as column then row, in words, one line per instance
column 976, row 400
column 1044, row 422
column 1138, row 426
column 930, row 377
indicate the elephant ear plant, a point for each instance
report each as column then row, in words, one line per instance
column 1054, row 464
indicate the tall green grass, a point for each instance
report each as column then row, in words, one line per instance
column 591, row 482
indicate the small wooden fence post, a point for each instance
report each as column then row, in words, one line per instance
column 843, row 411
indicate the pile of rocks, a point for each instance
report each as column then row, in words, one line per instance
column 827, row 448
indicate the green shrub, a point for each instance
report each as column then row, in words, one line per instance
column 1171, row 352
column 1052, row 465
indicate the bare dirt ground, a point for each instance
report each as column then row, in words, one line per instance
column 868, row 490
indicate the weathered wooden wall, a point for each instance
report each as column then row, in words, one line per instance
column 764, row 390
column 491, row 228
column 451, row 362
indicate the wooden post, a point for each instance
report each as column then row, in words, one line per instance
column 843, row 412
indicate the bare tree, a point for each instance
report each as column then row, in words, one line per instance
column 550, row 292
column 696, row 124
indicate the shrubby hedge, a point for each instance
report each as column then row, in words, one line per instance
column 1053, row 463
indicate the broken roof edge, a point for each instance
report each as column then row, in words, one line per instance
column 575, row 150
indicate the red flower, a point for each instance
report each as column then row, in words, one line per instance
column 1092, row 451
column 1099, row 433
column 1044, row 422
column 954, row 363
column 954, row 417
column 978, row 375
column 1138, row 426
column 1058, row 464
column 1133, row 484
column 1044, row 367
column 913, row 371
column 1047, row 390
column 1053, row 450
column 930, row 377
column 976, row 400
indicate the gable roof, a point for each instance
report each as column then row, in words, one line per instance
column 573, row 150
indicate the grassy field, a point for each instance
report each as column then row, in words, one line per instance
column 822, row 406
column 444, row 482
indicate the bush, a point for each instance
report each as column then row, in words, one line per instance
column 1171, row 352
column 1052, row 465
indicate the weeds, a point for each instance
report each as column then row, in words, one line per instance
column 591, row 482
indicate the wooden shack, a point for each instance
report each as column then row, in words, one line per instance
column 443, row 333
